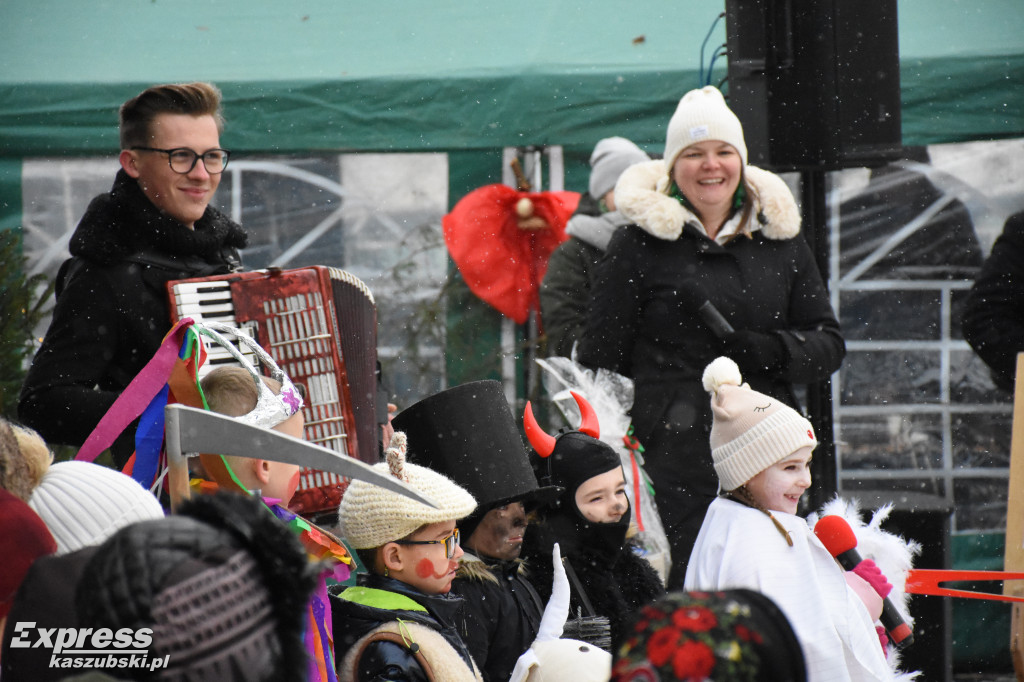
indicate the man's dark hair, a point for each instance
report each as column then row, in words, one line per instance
column 193, row 99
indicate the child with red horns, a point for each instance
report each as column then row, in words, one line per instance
column 591, row 521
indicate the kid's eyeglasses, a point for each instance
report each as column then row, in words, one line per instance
column 450, row 542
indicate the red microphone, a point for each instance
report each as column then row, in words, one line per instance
column 837, row 536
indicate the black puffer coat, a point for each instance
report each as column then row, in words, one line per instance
column 112, row 309
column 644, row 324
column 565, row 291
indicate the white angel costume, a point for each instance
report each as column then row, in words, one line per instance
column 738, row 546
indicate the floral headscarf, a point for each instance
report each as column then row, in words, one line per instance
column 729, row 636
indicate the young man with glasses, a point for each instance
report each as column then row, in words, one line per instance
column 155, row 225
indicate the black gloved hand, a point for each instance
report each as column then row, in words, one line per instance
column 756, row 352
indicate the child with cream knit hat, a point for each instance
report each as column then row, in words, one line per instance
column 398, row 620
column 752, row 538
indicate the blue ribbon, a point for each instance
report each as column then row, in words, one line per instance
column 149, row 439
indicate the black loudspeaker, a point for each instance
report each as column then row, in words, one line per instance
column 816, row 83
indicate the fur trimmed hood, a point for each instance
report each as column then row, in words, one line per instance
column 642, row 195
column 472, row 567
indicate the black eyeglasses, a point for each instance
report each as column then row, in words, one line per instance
column 450, row 542
column 183, row 159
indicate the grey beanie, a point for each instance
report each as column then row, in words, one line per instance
column 610, row 157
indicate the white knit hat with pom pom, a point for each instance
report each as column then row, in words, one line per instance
column 751, row 431
column 370, row 516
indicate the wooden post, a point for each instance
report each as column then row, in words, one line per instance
column 1014, row 557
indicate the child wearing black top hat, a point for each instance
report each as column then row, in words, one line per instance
column 469, row 434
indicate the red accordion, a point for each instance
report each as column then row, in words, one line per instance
column 320, row 326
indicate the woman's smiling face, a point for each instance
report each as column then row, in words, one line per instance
column 708, row 173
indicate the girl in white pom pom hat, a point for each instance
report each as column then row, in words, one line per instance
column 707, row 229
column 752, row 538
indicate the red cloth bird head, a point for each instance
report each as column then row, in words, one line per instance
column 503, row 252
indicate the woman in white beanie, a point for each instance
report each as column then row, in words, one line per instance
column 707, row 228
column 398, row 622
column 752, row 538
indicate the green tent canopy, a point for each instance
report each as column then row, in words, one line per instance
column 447, row 75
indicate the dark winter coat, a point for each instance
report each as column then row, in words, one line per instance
column 644, row 324
column 993, row 320
column 615, row 580
column 112, row 308
column 424, row 642
column 500, row 613
column 565, row 291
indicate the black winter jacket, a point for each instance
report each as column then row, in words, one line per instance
column 565, row 291
column 643, row 320
column 644, row 323
column 993, row 320
column 112, row 309
column 385, row 660
column 500, row 613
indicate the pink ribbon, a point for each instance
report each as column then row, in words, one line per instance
column 137, row 396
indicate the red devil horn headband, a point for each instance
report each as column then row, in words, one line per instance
column 588, row 418
column 543, row 442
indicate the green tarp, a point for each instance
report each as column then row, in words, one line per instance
column 399, row 75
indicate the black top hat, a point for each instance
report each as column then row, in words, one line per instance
column 468, row 434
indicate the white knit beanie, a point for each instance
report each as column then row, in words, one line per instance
column 370, row 516
column 610, row 157
column 751, row 431
column 702, row 115
column 84, row 503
